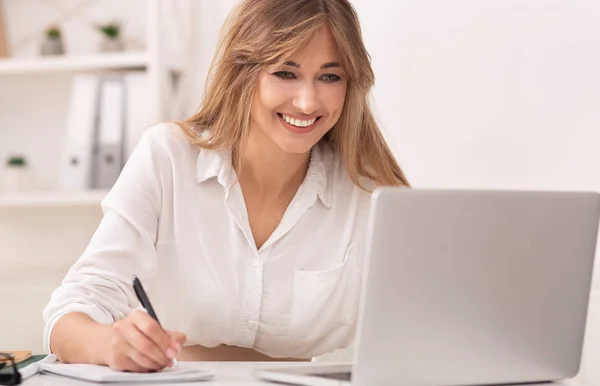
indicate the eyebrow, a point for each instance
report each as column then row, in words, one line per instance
column 323, row 67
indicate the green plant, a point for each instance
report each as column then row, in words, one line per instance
column 53, row 32
column 111, row 30
column 16, row 160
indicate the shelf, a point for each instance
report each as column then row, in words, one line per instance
column 51, row 199
column 95, row 62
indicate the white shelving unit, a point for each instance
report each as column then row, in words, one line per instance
column 44, row 231
column 99, row 62
column 22, row 76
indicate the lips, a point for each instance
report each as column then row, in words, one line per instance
column 298, row 129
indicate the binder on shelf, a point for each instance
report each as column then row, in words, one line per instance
column 76, row 165
column 106, row 118
column 111, row 132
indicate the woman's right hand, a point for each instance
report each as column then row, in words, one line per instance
column 138, row 343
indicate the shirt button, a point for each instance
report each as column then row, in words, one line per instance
column 251, row 324
column 256, row 263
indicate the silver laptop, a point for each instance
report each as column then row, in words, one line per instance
column 467, row 287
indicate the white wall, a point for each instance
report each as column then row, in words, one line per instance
column 489, row 94
column 210, row 16
column 37, row 247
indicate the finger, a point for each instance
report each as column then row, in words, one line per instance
column 140, row 359
column 150, row 355
column 129, row 364
column 150, row 327
column 177, row 338
column 122, row 362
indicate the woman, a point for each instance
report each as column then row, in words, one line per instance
column 245, row 222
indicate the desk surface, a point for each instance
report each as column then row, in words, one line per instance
column 228, row 373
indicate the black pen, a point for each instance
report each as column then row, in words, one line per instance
column 143, row 298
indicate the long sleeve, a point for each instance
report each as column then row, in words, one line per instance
column 99, row 283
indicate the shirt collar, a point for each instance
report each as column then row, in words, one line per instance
column 217, row 163
column 319, row 176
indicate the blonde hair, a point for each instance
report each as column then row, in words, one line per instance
column 260, row 33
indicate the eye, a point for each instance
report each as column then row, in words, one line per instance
column 330, row 78
column 285, row 75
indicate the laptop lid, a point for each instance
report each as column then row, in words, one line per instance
column 475, row 287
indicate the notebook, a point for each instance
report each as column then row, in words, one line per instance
column 19, row 356
column 103, row 374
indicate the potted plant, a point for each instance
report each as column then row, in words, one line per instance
column 111, row 36
column 15, row 176
column 52, row 43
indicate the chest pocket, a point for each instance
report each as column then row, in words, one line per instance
column 325, row 302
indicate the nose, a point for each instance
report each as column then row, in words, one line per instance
column 306, row 99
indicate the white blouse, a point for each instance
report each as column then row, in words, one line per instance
column 177, row 220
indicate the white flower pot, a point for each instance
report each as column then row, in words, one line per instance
column 52, row 47
column 15, row 179
column 111, row 45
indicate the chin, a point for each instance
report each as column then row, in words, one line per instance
column 295, row 146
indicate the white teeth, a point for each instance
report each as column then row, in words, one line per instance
column 298, row 122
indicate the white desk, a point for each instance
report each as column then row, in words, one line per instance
column 228, row 373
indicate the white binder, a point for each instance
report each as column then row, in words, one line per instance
column 111, row 131
column 75, row 172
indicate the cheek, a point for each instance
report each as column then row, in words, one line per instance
column 270, row 97
column 334, row 100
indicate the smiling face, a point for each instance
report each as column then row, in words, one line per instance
column 297, row 103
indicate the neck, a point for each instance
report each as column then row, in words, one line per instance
column 267, row 170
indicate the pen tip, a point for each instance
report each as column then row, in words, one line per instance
column 133, row 277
